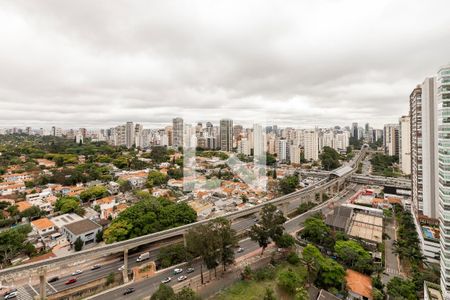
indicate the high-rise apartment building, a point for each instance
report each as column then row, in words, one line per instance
column 282, row 149
column 295, row 154
column 311, row 144
column 424, row 160
column 129, row 134
column 177, row 135
column 391, row 139
column 405, row 145
column 443, row 105
column 355, row 131
column 226, row 135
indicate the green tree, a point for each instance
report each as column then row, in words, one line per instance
column 288, row 184
column 301, row 294
column 93, row 193
column 269, row 294
column 13, row 242
column 270, row 226
column 99, row 236
column 330, row 274
column 316, row 231
column 227, row 240
column 285, row 241
column 78, row 245
column 118, row 231
column 31, row 213
column 156, row 178
column 330, row 158
column 110, row 279
column 69, row 205
column 354, row 255
column 187, row 294
column 172, row 255
column 149, row 215
column 289, row 281
column 398, row 288
column 164, row 292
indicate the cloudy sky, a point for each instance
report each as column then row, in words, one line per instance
column 295, row 63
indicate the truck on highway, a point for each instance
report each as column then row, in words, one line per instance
column 143, row 256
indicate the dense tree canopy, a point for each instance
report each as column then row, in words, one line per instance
column 13, row 242
column 330, row 274
column 148, row 216
column 69, row 205
column 269, row 227
column 288, row 184
column 330, row 158
column 93, row 193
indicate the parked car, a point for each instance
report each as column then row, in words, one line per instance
column 167, row 280
column 240, row 250
column 53, row 279
column 128, row 291
column 77, row 272
column 190, row 270
column 96, row 267
column 177, row 271
column 11, row 295
column 71, row 280
column 182, row 278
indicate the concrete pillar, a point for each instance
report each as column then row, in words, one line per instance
column 125, row 266
column 42, row 284
column 321, row 196
column 184, row 239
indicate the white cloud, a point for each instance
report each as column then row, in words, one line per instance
column 322, row 63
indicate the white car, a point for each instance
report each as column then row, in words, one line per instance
column 177, row 271
column 167, row 280
column 11, row 295
column 182, row 278
column 77, row 272
column 240, row 250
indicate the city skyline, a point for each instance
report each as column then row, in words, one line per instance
column 197, row 62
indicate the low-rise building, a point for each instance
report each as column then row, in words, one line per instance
column 85, row 229
column 43, row 226
column 66, row 219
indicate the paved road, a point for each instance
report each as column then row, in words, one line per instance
column 392, row 263
column 147, row 287
column 112, row 266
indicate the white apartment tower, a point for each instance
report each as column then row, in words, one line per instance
column 129, row 134
column 391, row 139
column 443, row 106
column 311, row 145
column 405, row 145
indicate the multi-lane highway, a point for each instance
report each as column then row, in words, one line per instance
column 242, row 220
column 148, row 286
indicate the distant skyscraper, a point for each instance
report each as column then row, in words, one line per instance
column 355, row 130
column 178, row 132
column 226, row 135
column 129, row 134
column 443, row 103
column 282, row 150
column 311, row 145
column 391, row 139
column 258, row 141
column 405, row 144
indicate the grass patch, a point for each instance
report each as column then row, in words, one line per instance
column 255, row 290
